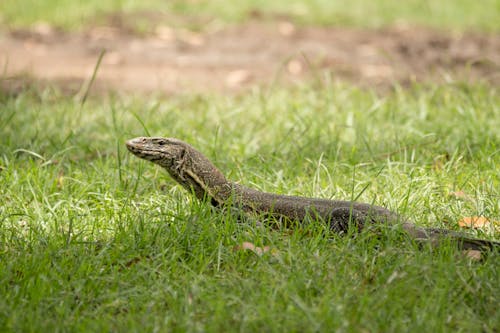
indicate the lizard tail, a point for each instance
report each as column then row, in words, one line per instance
column 464, row 242
column 478, row 244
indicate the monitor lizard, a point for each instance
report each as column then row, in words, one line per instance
column 196, row 173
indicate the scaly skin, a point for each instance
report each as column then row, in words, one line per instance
column 197, row 174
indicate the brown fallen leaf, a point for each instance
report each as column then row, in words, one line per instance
column 460, row 195
column 473, row 254
column 255, row 249
column 475, row 222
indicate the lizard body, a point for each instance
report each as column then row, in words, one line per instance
column 195, row 172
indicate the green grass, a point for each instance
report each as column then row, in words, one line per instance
column 94, row 239
column 454, row 14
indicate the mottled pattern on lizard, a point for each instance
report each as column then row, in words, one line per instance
column 195, row 172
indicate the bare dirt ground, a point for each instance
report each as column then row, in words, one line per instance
column 170, row 60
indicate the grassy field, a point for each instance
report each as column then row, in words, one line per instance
column 455, row 14
column 92, row 238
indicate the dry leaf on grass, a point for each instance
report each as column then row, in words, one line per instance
column 255, row 249
column 473, row 254
column 475, row 222
column 460, row 195
column 251, row 247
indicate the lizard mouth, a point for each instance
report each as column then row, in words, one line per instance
column 137, row 144
column 140, row 148
column 132, row 145
column 136, row 141
column 137, row 147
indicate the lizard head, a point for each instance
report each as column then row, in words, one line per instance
column 165, row 152
column 186, row 165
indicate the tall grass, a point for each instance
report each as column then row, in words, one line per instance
column 93, row 239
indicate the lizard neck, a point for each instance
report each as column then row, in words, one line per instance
column 196, row 173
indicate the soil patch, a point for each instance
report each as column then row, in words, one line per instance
column 173, row 60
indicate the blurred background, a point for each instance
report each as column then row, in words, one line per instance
column 200, row 46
